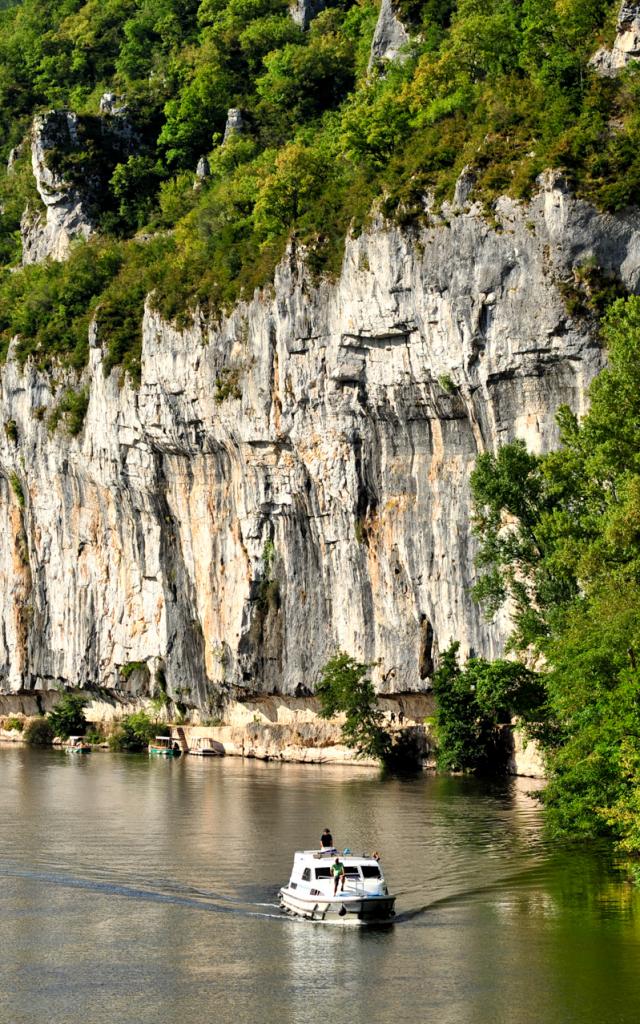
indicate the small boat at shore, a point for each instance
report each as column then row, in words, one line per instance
column 310, row 893
column 164, row 746
column 77, row 745
column 202, row 746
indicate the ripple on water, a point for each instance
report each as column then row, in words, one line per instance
column 134, row 889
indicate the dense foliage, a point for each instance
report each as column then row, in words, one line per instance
column 500, row 86
column 345, row 689
column 134, row 733
column 475, row 703
column 560, row 540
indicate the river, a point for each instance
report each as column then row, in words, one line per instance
column 136, row 890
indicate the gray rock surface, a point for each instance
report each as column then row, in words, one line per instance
column 49, row 233
column 235, row 123
column 295, row 479
column 112, row 105
column 202, row 169
column 389, row 38
column 14, row 156
column 464, row 188
column 626, row 47
column 304, row 11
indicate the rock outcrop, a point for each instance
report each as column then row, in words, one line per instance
column 389, row 38
column 235, row 124
column 626, row 47
column 304, row 11
column 112, row 105
column 295, row 479
column 67, row 216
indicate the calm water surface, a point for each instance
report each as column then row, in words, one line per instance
column 139, row 891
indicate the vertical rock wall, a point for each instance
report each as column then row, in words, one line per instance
column 296, row 479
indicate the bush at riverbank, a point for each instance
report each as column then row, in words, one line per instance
column 134, row 733
column 39, row 733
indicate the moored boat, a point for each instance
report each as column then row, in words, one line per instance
column 164, row 746
column 77, row 745
column 202, row 746
column 364, row 899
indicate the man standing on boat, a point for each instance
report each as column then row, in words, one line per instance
column 337, row 869
column 326, row 840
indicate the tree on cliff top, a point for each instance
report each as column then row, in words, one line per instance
column 504, row 88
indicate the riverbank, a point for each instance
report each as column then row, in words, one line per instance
column 270, row 728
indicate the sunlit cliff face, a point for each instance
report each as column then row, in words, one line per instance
column 296, row 479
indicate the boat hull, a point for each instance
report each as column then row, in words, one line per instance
column 361, row 910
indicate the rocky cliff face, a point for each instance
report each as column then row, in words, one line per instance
column 389, row 38
column 49, row 235
column 296, row 479
column 626, row 47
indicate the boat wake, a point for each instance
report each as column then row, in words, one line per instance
column 154, row 892
column 170, row 891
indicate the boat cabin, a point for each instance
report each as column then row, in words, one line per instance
column 311, row 874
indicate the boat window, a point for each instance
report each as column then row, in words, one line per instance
column 351, row 871
column 306, row 875
column 371, row 871
column 323, row 872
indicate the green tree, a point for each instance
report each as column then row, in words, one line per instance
column 344, row 689
column 563, row 531
column 135, row 732
column 475, row 703
column 68, row 716
column 287, row 194
column 39, row 732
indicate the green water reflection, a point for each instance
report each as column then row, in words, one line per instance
column 135, row 890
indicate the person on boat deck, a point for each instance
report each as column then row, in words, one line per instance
column 338, row 875
column 326, row 840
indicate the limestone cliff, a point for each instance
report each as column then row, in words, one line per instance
column 626, row 46
column 389, row 38
column 296, row 478
column 49, row 235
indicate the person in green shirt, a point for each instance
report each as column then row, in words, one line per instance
column 338, row 875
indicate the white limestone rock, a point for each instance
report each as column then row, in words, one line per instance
column 234, row 542
column 626, row 47
column 389, row 38
column 112, row 105
column 235, row 124
column 49, row 233
column 304, row 11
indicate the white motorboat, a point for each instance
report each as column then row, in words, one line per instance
column 310, row 893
